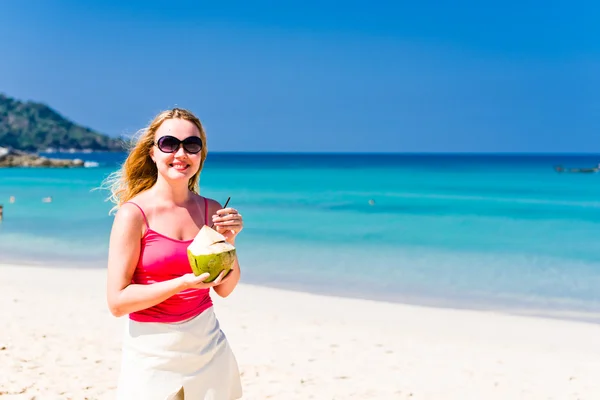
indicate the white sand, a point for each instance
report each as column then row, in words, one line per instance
column 58, row 341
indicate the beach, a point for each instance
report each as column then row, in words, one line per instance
column 59, row 341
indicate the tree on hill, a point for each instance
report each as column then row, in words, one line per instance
column 31, row 126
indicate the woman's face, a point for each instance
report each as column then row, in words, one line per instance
column 180, row 164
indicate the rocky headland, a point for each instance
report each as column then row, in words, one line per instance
column 18, row 158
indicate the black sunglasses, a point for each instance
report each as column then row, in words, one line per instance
column 170, row 144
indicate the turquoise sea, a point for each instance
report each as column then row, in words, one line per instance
column 502, row 232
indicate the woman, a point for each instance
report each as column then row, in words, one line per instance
column 173, row 347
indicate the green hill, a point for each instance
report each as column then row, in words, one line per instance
column 36, row 127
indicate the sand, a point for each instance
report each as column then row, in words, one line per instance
column 58, row 341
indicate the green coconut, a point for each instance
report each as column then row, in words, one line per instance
column 210, row 252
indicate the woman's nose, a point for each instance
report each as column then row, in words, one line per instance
column 180, row 151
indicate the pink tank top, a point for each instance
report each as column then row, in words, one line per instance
column 163, row 258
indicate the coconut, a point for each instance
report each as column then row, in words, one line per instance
column 210, row 252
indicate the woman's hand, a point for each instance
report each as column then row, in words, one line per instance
column 228, row 222
column 191, row 281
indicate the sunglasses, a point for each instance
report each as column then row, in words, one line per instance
column 170, row 144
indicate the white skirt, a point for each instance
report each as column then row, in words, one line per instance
column 190, row 360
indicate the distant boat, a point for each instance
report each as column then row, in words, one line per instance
column 592, row 170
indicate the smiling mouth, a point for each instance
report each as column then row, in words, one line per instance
column 179, row 167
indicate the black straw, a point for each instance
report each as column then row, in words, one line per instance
column 225, row 206
column 227, row 202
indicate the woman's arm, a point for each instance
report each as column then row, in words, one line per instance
column 228, row 223
column 124, row 249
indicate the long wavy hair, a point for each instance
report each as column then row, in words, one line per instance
column 139, row 173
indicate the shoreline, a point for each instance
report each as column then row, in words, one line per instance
column 60, row 341
column 467, row 303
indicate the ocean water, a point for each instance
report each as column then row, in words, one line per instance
column 477, row 231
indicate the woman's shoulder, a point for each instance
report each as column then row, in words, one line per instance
column 134, row 210
column 130, row 218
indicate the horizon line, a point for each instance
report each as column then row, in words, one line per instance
column 409, row 153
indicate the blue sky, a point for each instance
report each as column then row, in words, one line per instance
column 424, row 76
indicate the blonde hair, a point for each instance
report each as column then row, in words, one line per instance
column 139, row 173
